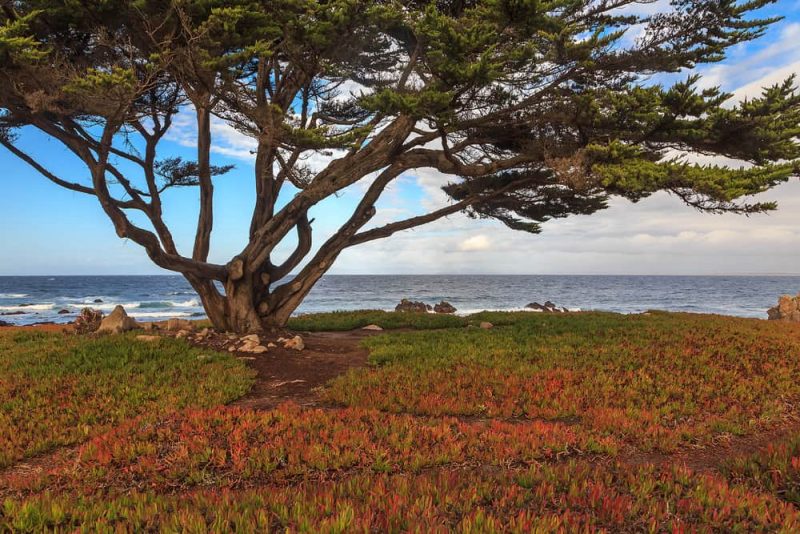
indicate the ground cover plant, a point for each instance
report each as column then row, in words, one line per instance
column 658, row 381
column 519, row 455
column 562, row 497
column 775, row 470
column 58, row 389
column 350, row 320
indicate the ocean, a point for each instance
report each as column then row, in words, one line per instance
column 32, row 299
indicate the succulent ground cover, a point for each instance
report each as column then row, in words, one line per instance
column 774, row 470
column 544, row 423
column 58, row 389
column 659, row 381
column 561, row 497
column 349, row 320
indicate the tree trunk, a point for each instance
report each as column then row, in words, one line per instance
column 244, row 307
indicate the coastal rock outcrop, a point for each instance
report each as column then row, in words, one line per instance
column 788, row 309
column 412, row 307
column 88, row 321
column 444, row 307
column 117, row 322
column 547, row 307
column 5, row 323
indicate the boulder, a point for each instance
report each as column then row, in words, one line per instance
column 412, row 307
column 373, row 327
column 296, row 343
column 487, row 325
column 117, row 322
column 14, row 313
column 788, row 309
column 5, row 323
column 98, row 301
column 547, row 307
column 63, row 312
column 176, row 325
column 444, row 307
column 88, row 321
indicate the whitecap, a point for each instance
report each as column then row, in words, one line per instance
column 13, row 295
column 32, row 307
column 168, row 314
column 191, row 303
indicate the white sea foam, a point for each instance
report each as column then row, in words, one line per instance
column 167, row 314
column 191, row 303
column 104, row 306
column 13, row 295
column 32, row 307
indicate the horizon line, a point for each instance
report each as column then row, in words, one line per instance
column 422, row 274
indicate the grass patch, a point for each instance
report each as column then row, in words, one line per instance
column 659, row 381
column 351, row 320
column 59, row 389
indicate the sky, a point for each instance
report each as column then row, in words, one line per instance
column 46, row 230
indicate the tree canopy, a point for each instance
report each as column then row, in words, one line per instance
column 535, row 109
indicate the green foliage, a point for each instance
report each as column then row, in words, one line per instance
column 537, row 110
column 17, row 45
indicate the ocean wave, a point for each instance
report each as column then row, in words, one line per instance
column 164, row 314
column 32, row 307
column 192, row 303
column 13, row 295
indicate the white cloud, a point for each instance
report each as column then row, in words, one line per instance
column 475, row 243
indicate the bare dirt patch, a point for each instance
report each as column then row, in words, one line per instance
column 290, row 375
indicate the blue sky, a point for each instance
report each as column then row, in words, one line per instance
column 49, row 230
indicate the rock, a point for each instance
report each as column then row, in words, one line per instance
column 98, row 301
column 788, row 309
column 204, row 333
column 373, row 327
column 149, row 326
column 252, row 338
column 176, row 325
column 232, row 348
column 487, row 325
column 412, row 307
column 117, row 322
column 444, row 307
column 14, row 313
column 259, row 349
column 547, row 307
column 63, row 312
column 5, row 323
column 149, row 339
column 88, row 321
column 271, row 345
column 296, row 343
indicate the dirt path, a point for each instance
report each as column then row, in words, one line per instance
column 288, row 375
